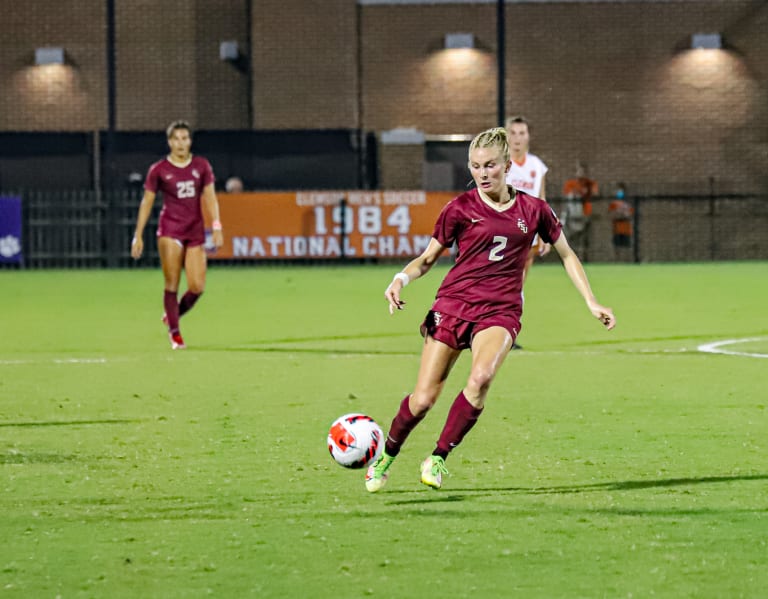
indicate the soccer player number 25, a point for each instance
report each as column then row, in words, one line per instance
column 185, row 189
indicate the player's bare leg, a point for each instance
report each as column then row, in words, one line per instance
column 195, row 265
column 437, row 359
column 172, row 260
column 489, row 348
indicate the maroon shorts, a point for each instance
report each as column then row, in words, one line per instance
column 183, row 239
column 458, row 333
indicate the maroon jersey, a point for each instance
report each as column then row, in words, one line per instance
column 487, row 278
column 182, row 187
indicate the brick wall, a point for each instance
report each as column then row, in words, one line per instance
column 49, row 98
column 305, row 64
column 156, row 72
column 168, row 64
column 610, row 84
column 401, row 166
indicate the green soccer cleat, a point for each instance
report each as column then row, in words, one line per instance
column 377, row 475
column 432, row 470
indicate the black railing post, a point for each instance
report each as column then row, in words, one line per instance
column 636, row 232
column 343, row 228
column 712, row 212
column 108, row 163
column 501, row 58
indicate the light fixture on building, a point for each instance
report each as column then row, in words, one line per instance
column 229, row 51
column 403, row 136
column 455, row 41
column 706, row 41
column 49, row 55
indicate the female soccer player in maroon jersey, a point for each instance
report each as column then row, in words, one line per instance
column 479, row 303
column 186, row 182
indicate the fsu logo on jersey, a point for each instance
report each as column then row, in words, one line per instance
column 521, row 225
column 195, row 173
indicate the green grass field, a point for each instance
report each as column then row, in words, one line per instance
column 606, row 464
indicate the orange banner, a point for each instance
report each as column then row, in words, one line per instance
column 308, row 224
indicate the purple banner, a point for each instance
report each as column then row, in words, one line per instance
column 10, row 229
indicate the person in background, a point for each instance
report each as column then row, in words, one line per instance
column 527, row 173
column 135, row 180
column 234, row 185
column 187, row 185
column 479, row 303
column 577, row 216
column 621, row 213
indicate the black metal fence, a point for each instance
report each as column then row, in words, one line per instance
column 81, row 229
column 674, row 228
column 88, row 229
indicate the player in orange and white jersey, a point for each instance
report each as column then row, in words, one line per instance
column 527, row 173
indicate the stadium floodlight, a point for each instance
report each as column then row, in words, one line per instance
column 49, row 55
column 455, row 41
column 706, row 41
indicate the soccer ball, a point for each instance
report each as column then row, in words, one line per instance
column 355, row 440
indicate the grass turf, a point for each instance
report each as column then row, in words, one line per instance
column 606, row 464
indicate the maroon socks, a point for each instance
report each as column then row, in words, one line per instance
column 175, row 309
column 171, row 305
column 461, row 418
column 187, row 301
column 401, row 427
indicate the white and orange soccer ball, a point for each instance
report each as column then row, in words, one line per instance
column 355, row 440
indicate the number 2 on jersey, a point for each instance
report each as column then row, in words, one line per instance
column 499, row 243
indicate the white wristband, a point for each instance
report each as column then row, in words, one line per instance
column 404, row 278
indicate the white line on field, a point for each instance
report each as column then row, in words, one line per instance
column 716, row 347
column 56, row 361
